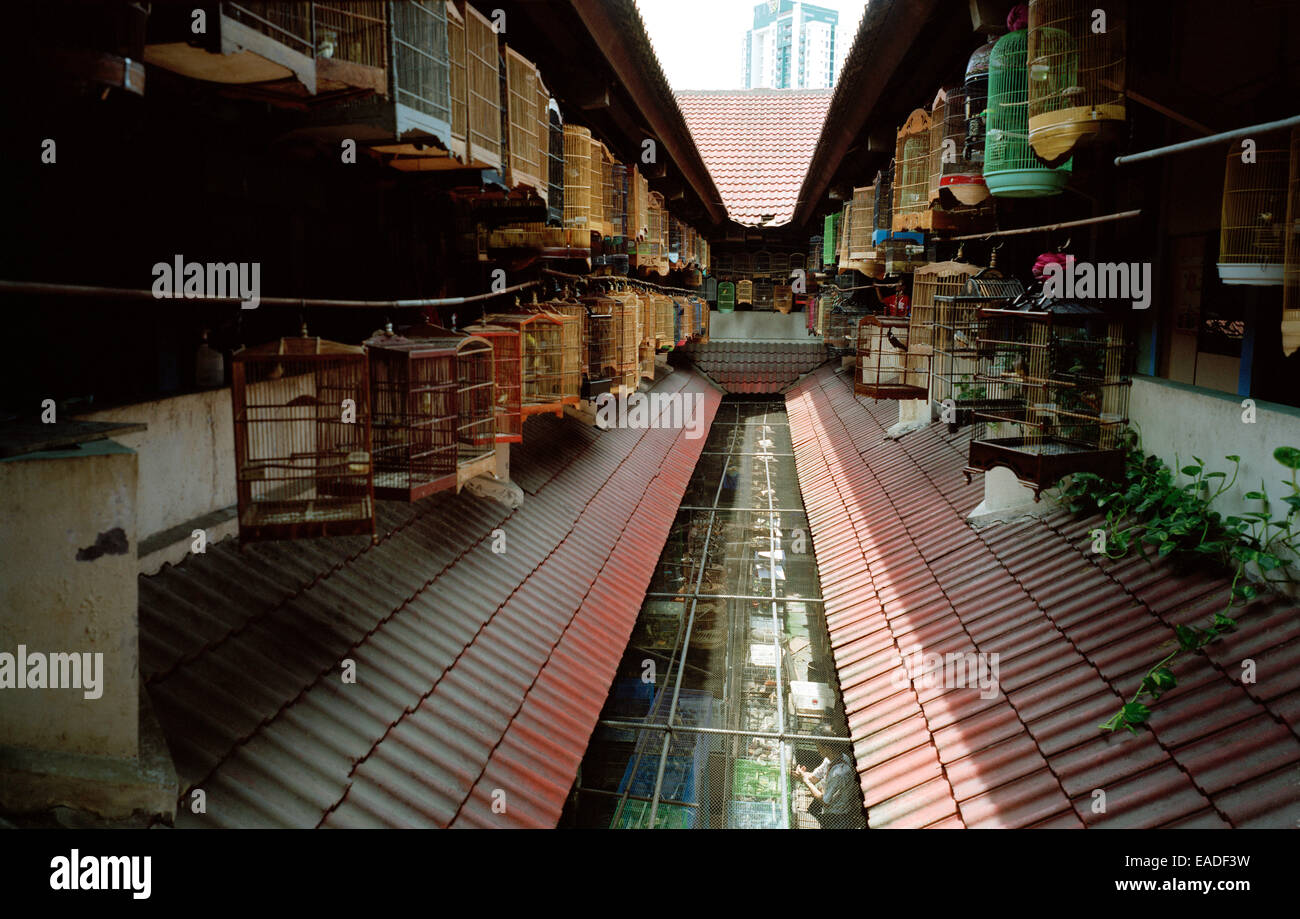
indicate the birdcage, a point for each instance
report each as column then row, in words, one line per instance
column 638, row 204
column 599, row 182
column 1291, row 260
column 726, row 297
column 507, row 378
column 665, row 323
column 929, row 281
column 860, row 228
column 1251, row 245
column 954, row 389
column 782, row 298
column 627, row 341
column 616, row 200
column 912, row 174
column 555, row 167
column 482, row 90
column 656, row 249
column 705, row 320
column 433, row 420
column 602, row 343
column 573, row 314
column 882, row 206
column 1057, row 374
column 529, row 125
column 1011, row 170
column 964, row 126
column 301, row 410
column 846, row 235
column 745, row 292
column 815, row 254
column 1076, row 74
column 577, row 177
column 810, row 314
column 938, row 110
column 830, row 240
column 885, row 369
column 680, row 323
column 356, row 32
column 842, row 326
column 547, row 380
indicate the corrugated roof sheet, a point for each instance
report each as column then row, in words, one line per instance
column 756, row 366
column 900, row 567
column 757, row 144
column 475, row 671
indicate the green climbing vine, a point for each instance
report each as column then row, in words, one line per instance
column 1154, row 508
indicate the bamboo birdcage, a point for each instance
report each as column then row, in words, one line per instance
column 555, row 168
column 846, row 234
column 602, row 340
column 885, row 367
column 598, row 165
column 1057, row 378
column 354, row 32
column 433, row 417
column 301, row 411
column 782, row 298
column 507, row 373
column 1076, row 74
column 1251, row 244
column 665, row 321
column 964, row 125
column 627, row 341
column 577, row 177
column 289, row 23
column 882, row 207
column 1011, row 170
column 928, row 282
column 458, row 82
column 912, row 174
column 938, row 119
column 745, row 292
column 657, row 234
column 573, row 315
column 544, row 379
column 954, row 390
column 482, row 90
column 529, row 138
column 1291, row 260
column 616, row 203
column 859, row 232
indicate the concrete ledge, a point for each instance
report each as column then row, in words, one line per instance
column 104, row 787
column 172, row 546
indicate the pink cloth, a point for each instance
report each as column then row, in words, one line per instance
column 1047, row 258
column 1018, row 18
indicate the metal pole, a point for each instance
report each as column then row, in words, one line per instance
column 81, row 290
column 1107, row 218
column 1210, row 141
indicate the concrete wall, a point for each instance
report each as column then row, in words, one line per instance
column 1177, row 420
column 68, row 584
column 187, row 456
column 751, row 326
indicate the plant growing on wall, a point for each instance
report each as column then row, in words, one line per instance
column 1152, row 509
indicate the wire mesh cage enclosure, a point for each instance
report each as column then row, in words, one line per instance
column 1291, row 259
column 577, row 177
column 1251, row 244
column 433, row 419
column 882, row 204
column 507, row 375
column 288, row 23
column 726, row 296
column 546, row 383
column 1076, row 74
column 912, row 173
column 1057, row 374
column 303, row 462
column 928, row 282
column 954, row 388
column 1011, row 170
column 885, row 369
column 965, row 124
column 421, row 58
column 358, row 33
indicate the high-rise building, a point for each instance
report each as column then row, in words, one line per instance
column 791, row 46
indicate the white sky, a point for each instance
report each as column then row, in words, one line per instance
column 699, row 41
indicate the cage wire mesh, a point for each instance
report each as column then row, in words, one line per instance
column 353, row 32
column 1251, row 244
column 1291, row 260
column 728, row 675
column 421, row 61
column 955, row 344
column 912, row 173
column 288, row 23
column 483, row 88
column 507, row 374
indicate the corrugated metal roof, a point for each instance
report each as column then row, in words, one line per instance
column 756, row 366
column 900, row 567
column 476, row 671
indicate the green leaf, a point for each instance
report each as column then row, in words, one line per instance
column 1191, row 470
column 1288, row 457
column 1166, row 547
column 1224, row 622
column 1163, row 679
column 1254, row 496
column 1187, row 638
column 1233, row 458
column 1216, row 475
column 1135, row 713
column 1199, row 460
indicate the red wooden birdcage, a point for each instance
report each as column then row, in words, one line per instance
column 543, row 380
column 433, row 416
column 883, row 368
column 507, row 379
column 301, row 411
column 573, row 344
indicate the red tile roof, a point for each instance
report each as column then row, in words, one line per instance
column 756, row 366
column 900, row 568
column 476, row 671
column 757, row 144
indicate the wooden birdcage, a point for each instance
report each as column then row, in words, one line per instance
column 573, row 314
column 273, row 41
column 529, row 137
column 602, row 341
column 928, row 282
column 885, row 368
column 912, row 174
column 745, row 292
column 507, row 377
column 1291, row 260
column 352, row 32
column 964, row 125
column 954, row 388
column 859, row 232
column 301, row 410
column 577, row 177
column 882, row 207
column 665, row 321
column 1251, row 244
column 616, row 203
column 937, row 149
column 555, row 168
column 545, row 384
column 1011, row 170
column 841, row 327
column 815, row 254
column 1076, row 74
column 433, row 418
column 657, row 234
column 482, row 90
column 1057, row 379
column 782, row 298
column 846, row 234
column 601, row 195
column 638, row 204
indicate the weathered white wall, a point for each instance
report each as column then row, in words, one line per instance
column 751, row 326
column 56, row 505
column 1178, row 422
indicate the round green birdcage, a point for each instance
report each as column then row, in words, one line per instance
column 1011, row 169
